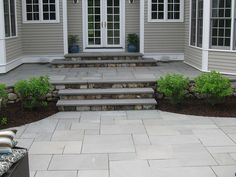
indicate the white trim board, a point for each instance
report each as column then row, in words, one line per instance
column 4, row 68
column 165, row 56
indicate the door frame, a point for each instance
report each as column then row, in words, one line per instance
column 85, row 31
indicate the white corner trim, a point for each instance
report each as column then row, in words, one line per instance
column 141, row 41
column 65, row 27
column 84, row 11
column 2, row 35
column 206, row 34
column 4, row 68
column 165, row 56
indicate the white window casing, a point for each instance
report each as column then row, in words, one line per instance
column 165, row 17
column 41, row 12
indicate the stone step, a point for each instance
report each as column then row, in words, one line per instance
column 104, row 56
column 103, row 63
column 119, row 93
column 106, row 105
column 102, row 84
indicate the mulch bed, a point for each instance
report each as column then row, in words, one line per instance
column 17, row 116
column 201, row 108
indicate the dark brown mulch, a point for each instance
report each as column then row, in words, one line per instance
column 201, row 108
column 17, row 116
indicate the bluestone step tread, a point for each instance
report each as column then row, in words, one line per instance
column 108, row 102
column 104, row 54
column 58, row 61
column 106, row 91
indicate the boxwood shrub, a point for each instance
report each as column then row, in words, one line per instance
column 3, row 95
column 214, row 86
column 33, row 91
column 174, row 87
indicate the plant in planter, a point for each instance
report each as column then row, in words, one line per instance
column 73, row 44
column 174, row 87
column 133, row 43
column 214, row 86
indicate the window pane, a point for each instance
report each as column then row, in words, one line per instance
column 221, row 24
column 49, row 10
column 13, row 17
column 157, row 9
column 32, row 10
column 174, row 9
column 6, row 18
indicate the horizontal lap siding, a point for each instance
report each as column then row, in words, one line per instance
column 14, row 47
column 222, row 61
column 75, row 20
column 132, row 17
column 43, row 39
column 193, row 56
column 163, row 37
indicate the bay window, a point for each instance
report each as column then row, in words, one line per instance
column 41, row 11
column 10, row 18
column 196, row 23
column 166, row 10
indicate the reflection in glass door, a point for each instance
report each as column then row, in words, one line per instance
column 94, row 23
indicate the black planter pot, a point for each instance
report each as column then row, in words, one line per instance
column 74, row 48
column 133, row 48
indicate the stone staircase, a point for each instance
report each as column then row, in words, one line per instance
column 106, row 96
column 108, row 59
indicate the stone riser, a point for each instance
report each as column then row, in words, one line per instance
column 106, row 108
column 118, row 96
column 105, row 58
column 103, row 65
column 105, row 85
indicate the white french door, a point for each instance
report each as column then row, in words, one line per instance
column 103, row 22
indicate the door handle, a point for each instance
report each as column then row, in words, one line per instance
column 105, row 24
column 101, row 24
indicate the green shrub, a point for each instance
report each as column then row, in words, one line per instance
column 174, row 87
column 3, row 121
column 214, row 86
column 32, row 92
column 3, row 94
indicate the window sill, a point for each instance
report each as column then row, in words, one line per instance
column 195, row 47
column 166, row 21
column 41, row 22
column 12, row 37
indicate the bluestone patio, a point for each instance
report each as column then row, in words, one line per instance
column 130, row 144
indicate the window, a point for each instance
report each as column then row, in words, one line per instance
column 41, row 11
column 196, row 23
column 221, row 24
column 10, row 18
column 166, row 10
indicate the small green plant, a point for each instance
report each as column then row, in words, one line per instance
column 73, row 39
column 3, row 95
column 3, row 121
column 33, row 92
column 174, row 87
column 214, row 86
column 133, row 38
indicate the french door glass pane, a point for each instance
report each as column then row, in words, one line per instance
column 94, row 22
column 113, row 22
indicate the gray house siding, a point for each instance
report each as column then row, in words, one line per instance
column 163, row 37
column 193, row 56
column 222, row 61
column 132, row 18
column 43, row 38
column 75, row 20
column 14, row 47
